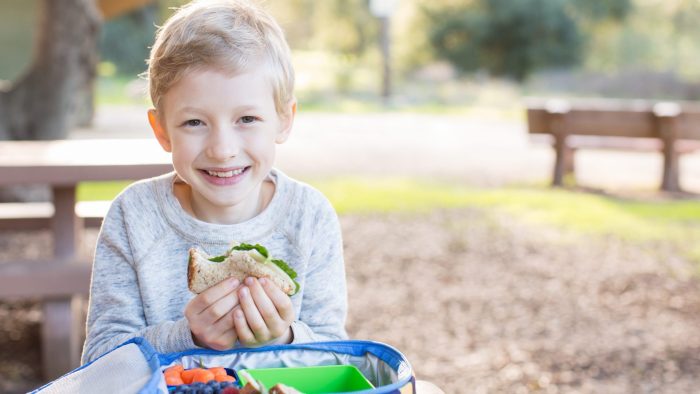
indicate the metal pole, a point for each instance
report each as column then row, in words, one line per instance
column 386, row 62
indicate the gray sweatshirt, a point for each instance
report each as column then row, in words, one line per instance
column 139, row 278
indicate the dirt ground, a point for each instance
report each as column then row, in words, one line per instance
column 481, row 303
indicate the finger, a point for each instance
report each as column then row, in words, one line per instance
column 226, row 340
column 220, row 308
column 218, row 328
column 279, row 299
column 204, row 299
column 255, row 321
column 264, row 304
column 207, row 328
column 244, row 333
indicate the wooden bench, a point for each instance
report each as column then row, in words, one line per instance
column 672, row 129
column 62, row 281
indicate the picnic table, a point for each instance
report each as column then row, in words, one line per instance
column 63, row 281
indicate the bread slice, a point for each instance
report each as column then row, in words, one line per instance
column 203, row 273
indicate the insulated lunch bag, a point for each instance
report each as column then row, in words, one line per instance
column 135, row 367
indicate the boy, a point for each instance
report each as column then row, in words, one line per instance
column 221, row 82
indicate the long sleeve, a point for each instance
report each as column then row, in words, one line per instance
column 325, row 296
column 116, row 312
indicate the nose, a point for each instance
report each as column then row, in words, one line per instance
column 222, row 144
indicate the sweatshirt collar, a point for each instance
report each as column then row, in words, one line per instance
column 202, row 233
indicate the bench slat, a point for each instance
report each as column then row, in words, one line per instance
column 44, row 279
column 37, row 215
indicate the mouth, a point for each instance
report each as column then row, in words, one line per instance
column 226, row 173
column 223, row 176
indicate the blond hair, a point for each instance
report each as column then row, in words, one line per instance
column 230, row 35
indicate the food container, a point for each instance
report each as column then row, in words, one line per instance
column 312, row 380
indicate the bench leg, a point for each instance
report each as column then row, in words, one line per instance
column 563, row 159
column 668, row 131
column 669, row 180
column 62, row 333
column 563, row 164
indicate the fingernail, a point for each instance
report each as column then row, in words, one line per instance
column 244, row 292
column 262, row 281
column 249, row 281
column 234, row 283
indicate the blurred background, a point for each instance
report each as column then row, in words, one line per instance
column 412, row 121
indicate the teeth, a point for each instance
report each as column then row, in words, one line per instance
column 225, row 174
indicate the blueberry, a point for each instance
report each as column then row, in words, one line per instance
column 214, row 384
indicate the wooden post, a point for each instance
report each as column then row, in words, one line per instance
column 62, row 335
column 65, row 223
column 63, row 320
column 556, row 111
column 666, row 115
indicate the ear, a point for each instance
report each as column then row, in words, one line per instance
column 159, row 130
column 287, row 121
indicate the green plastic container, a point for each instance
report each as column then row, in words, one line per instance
column 313, row 380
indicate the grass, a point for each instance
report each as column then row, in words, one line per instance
column 100, row 191
column 674, row 220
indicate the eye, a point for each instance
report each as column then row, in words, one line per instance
column 248, row 119
column 192, row 123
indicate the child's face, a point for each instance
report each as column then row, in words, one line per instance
column 222, row 132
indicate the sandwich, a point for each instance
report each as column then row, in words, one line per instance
column 240, row 261
column 254, row 386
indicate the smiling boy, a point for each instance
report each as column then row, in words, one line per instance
column 221, row 82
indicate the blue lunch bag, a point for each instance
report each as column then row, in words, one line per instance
column 136, row 367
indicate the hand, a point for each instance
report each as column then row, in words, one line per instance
column 265, row 313
column 210, row 317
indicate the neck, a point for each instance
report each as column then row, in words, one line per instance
column 239, row 213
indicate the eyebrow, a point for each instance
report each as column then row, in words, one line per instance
column 247, row 107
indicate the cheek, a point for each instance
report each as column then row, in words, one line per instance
column 184, row 150
column 262, row 148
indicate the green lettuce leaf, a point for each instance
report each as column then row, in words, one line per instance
column 285, row 267
column 261, row 249
column 217, row 259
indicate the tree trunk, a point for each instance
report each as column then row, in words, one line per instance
column 51, row 98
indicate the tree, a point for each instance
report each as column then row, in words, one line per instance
column 514, row 38
column 46, row 102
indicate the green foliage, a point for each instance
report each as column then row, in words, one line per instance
column 515, row 38
column 17, row 35
column 125, row 41
column 597, row 10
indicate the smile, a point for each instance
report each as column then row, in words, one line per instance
column 226, row 174
column 223, row 176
